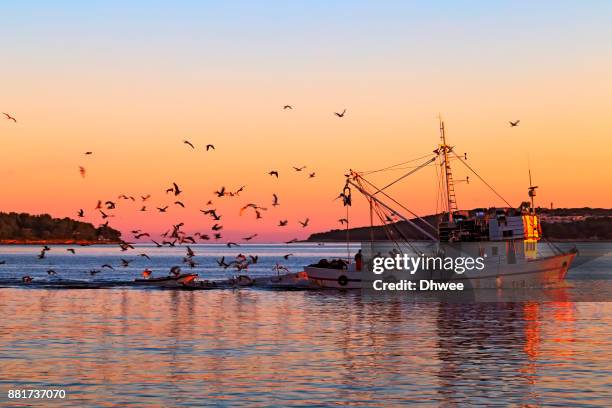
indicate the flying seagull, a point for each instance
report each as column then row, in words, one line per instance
column 9, row 117
column 187, row 142
column 515, row 123
column 176, row 189
column 287, row 107
column 220, row 192
column 340, row 115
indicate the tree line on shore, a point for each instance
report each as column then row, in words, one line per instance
column 26, row 227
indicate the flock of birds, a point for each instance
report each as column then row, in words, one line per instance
column 176, row 235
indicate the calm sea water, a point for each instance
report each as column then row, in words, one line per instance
column 22, row 260
column 129, row 346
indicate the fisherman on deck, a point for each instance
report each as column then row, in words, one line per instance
column 358, row 260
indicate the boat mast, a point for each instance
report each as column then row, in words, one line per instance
column 444, row 149
column 532, row 193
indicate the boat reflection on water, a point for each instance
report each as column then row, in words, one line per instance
column 511, row 352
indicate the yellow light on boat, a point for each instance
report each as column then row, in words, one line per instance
column 531, row 227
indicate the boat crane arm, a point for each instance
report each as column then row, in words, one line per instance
column 409, row 221
column 427, row 223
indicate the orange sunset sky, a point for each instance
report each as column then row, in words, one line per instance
column 131, row 82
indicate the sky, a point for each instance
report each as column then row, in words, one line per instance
column 130, row 82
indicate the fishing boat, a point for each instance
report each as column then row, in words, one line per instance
column 507, row 240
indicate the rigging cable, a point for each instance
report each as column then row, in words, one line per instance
column 481, row 179
column 395, row 165
column 398, row 203
column 406, row 175
column 387, row 230
column 404, row 237
column 380, row 212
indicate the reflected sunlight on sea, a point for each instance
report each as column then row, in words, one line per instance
column 121, row 346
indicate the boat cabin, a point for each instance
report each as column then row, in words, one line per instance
column 493, row 224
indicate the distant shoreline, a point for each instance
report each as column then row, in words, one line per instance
column 9, row 242
column 322, row 243
column 558, row 225
column 352, row 241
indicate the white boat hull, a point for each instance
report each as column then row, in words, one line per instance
column 336, row 278
column 532, row 273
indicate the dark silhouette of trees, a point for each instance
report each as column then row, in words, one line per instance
column 23, row 227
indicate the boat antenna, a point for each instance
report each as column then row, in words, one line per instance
column 532, row 188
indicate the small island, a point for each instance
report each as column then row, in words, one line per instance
column 23, row 228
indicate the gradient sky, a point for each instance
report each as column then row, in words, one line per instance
column 131, row 81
